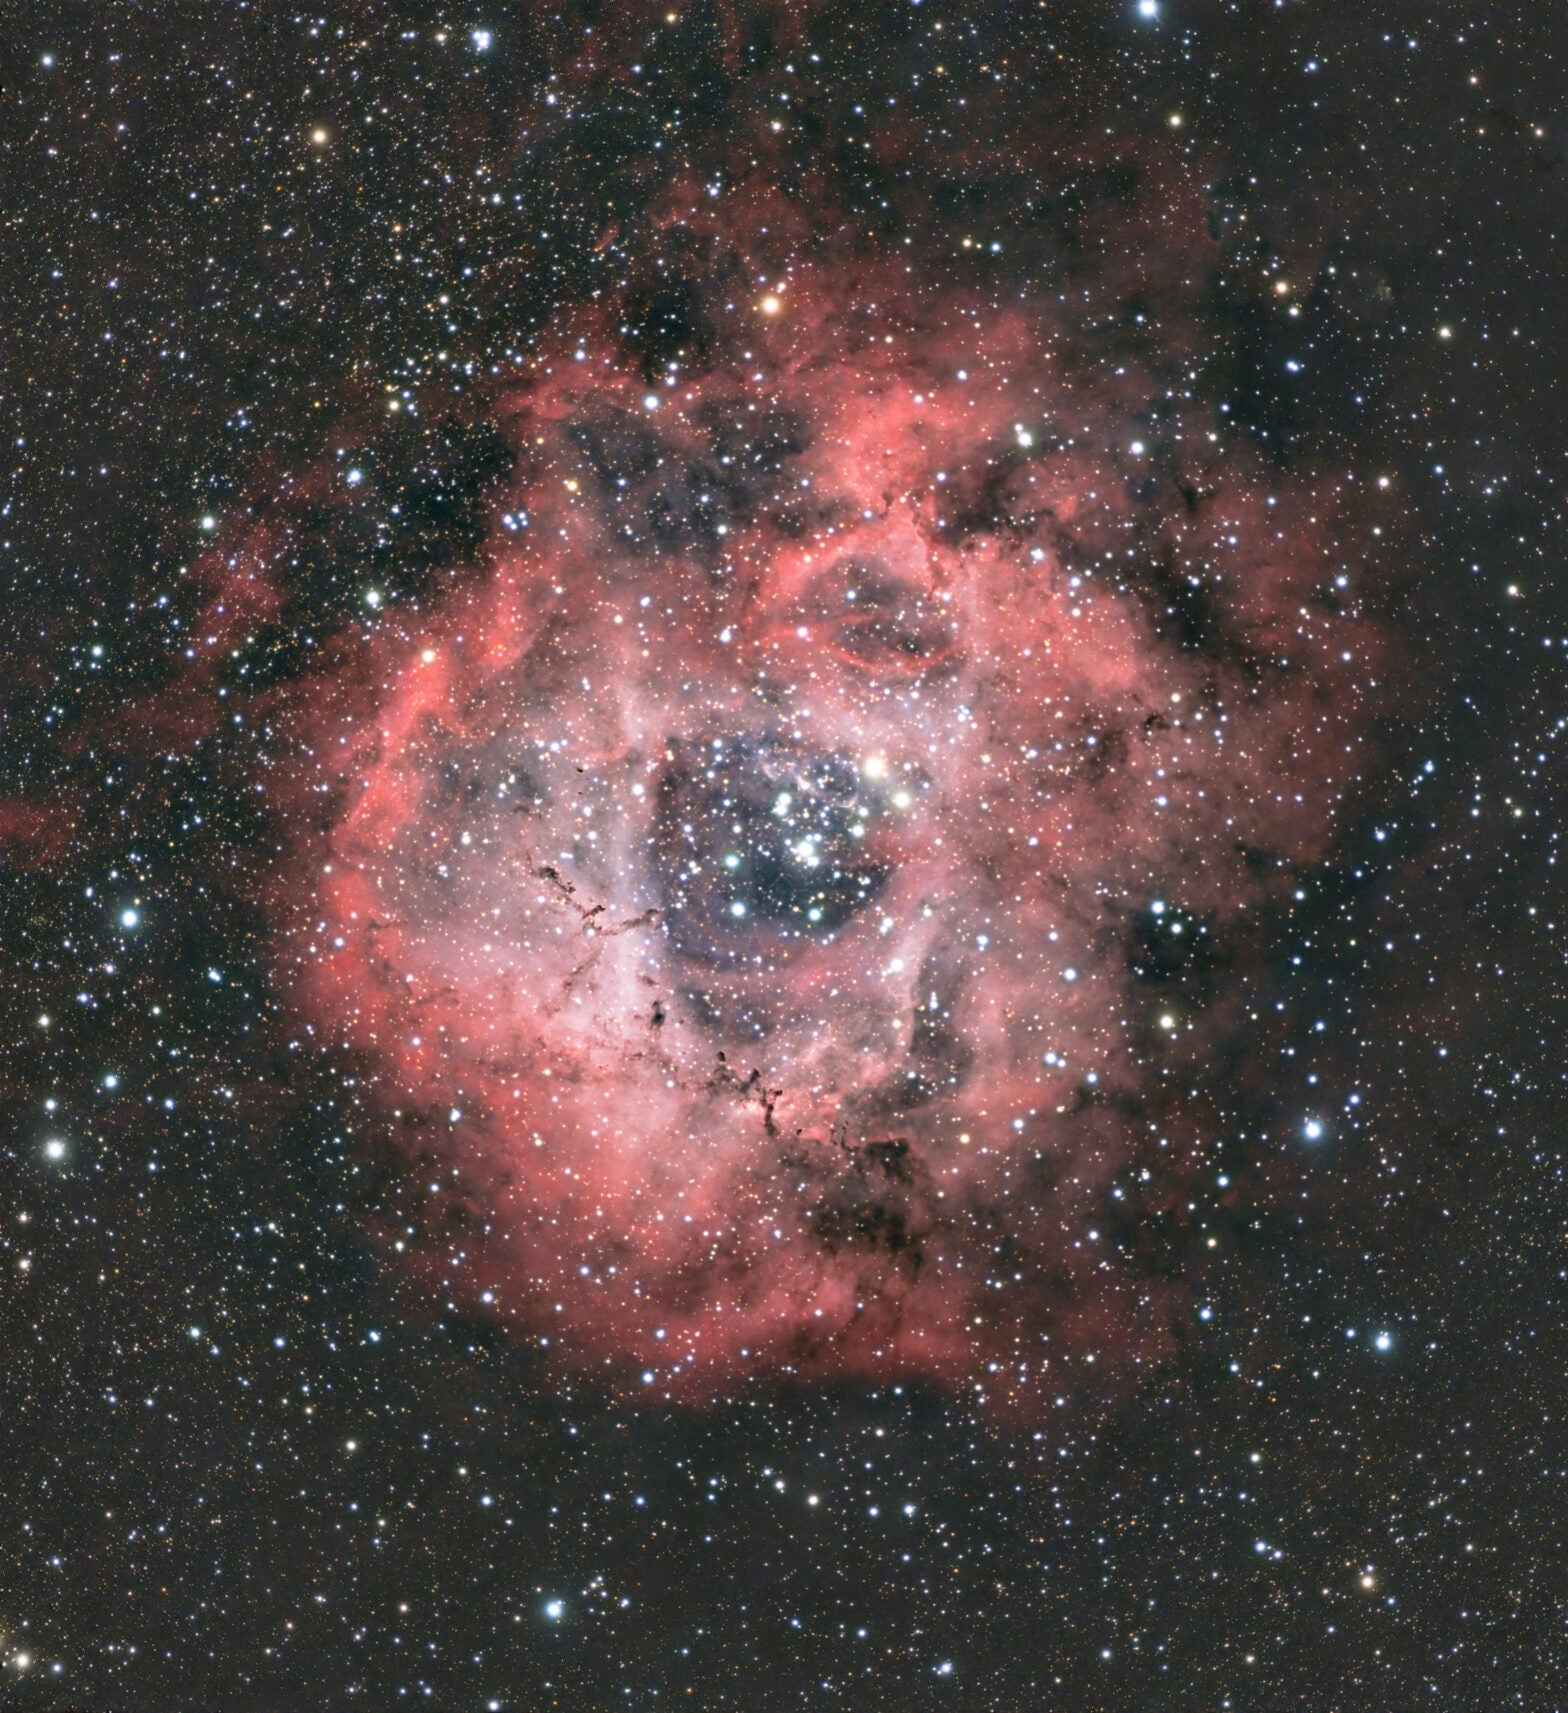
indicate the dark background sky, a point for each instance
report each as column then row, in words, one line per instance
column 194, row 1326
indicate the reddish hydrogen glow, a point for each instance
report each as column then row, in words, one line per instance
column 31, row 836
column 749, row 877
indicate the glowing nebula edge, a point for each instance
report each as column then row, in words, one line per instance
column 803, row 875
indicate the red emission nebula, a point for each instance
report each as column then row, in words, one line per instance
column 760, row 883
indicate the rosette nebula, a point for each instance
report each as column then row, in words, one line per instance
column 796, row 892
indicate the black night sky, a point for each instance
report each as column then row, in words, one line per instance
column 346, row 343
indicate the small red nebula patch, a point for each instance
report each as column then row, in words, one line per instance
column 32, row 837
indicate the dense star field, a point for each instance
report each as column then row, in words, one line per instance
column 779, row 836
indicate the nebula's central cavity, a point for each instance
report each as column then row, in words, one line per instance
column 802, row 879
